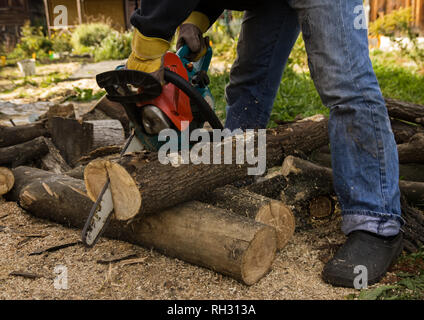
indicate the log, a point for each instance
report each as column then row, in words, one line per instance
column 53, row 160
column 407, row 171
column 254, row 206
column 403, row 131
column 77, row 172
column 140, row 184
column 405, row 110
column 194, row 232
column 22, row 153
column 7, row 180
column 413, row 230
column 75, row 139
column 413, row 151
column 10, row 136
column 413, row 191
column 269, row 186
column 114, row 110
column 307, row 186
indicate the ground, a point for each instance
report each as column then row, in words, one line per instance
column 295, row 272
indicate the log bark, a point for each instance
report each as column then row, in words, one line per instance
column 254, row 206
column 22, row 153
column 7, row 180
column 269, row 186
column 194, row 232
column 413, row 191
column 114, row 110
column 307, row 185
column 405, row 110
column 413, row 151
column 53, row 160
column 75, row 139
column 403, row 131
column 407, row 171
column 140, row 184
column 10, row 136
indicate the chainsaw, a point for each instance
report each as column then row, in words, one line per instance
column 183, row 103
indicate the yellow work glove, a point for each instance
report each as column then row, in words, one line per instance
column 147, row 55
column 191, row 33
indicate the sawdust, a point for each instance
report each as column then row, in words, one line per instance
column 295, row 273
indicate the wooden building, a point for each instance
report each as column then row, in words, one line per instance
column 13, row 14
column 117, row 12
column 382, row 7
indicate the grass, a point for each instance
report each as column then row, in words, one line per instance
column 399, row 78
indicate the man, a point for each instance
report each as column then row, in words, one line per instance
column 364, row 154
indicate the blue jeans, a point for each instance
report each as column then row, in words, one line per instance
column 364, row 153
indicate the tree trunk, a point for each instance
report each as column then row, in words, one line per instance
column 307, row 185
column 404, row 131
column 7, row 179
column 75, row 139
column 413, row 151
column 269, row 186
column 194, row 232
column 140, row 184
column 10, row 136
column 53, row 161
column 256, row 207
column 407, row 171
column 405, row 110
column 413, row 191
column 114, row 110
column 22, row 153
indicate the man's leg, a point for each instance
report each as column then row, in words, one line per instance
column 266, row 39
column 364, row 154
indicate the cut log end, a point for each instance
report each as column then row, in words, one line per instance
column 320, row 207
column 258, row 258
column 125, row 195
column 279, row 216
column 7, row 180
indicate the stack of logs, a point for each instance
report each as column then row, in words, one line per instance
column 212, row 215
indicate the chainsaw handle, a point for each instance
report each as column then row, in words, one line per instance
column 195, row 96
column 116, row 85
column 204, row 61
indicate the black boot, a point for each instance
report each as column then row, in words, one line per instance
column 374, row 252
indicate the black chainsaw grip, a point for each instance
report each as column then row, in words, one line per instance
column 115, row 80
column 195, row 96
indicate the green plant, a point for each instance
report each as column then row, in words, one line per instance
column 397, row 25
column 115, row 46
column 86, row 38
column 32, row 41
column 85, row 95
column 61, row 42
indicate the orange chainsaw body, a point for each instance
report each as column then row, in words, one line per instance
column 172, row 101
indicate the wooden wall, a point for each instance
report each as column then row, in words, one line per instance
column 117, row 12
column 381, row 7
column 13, row 14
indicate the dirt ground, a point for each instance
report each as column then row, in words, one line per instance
column 295, row 273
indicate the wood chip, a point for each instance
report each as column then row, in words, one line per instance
column 132, row 261
column 25, row 274
column 55, row 248
column 118, row 258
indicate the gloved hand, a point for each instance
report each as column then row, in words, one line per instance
column 191, row 33
column 147, row 55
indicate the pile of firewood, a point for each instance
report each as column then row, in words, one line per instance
column 212, row 215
